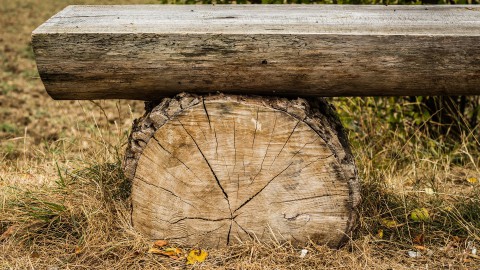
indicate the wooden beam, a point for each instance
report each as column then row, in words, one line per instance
column 147, row 52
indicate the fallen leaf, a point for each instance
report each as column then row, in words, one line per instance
column 160, row 243
column 448, row 208
column 380, row 234
column 35, row 255
column 9, row 232
column 390, row 223
column 173, row 253
column 418, row 247
column 169, row 252
column 196, row 255
column 155, row 251
column 419, row 239
column 419, row 215
column 472, row 180
column 78, row 250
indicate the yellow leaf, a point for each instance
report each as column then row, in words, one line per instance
column 389, row 223
column 448, row 208
column 160, row 243
column 380, row 234
column 174, row 251
column 472, row 180
column 196, row 255
column 419, row 215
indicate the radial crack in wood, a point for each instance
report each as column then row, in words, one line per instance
column 217, row 169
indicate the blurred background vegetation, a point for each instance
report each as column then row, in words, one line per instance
column 344, row 2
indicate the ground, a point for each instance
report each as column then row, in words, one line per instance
column 64, row 200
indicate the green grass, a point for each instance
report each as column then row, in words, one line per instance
column 8, row 128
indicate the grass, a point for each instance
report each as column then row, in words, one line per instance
column 64, row 200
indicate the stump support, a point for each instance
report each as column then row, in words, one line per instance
column 218, row 169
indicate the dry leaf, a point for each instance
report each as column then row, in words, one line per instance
column 418, row 247
column 155, row 251
column 380, row 234
column 390, row 223
column 419, row 239
column 472, row 180
column 419, row 215
column 161, row 252
column 173, row 253
column 9, row 232
column 35, row 255
column 196, row 255
column 160, row 243
column 78, row 250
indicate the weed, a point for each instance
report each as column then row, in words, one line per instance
column 27, row 52
column 8, row 128
column 6, row 88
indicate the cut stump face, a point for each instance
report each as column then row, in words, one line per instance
column 225, row 169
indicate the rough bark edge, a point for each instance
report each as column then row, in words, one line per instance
column 315, row 112
column 327, row 113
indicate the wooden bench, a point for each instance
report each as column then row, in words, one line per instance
column 266, row 157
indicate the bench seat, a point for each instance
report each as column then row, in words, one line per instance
column 149, row 51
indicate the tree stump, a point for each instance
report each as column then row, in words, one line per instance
column 214, row 170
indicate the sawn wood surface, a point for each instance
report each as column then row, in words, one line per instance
column 217, row 170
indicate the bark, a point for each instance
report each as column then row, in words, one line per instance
column 146, row 52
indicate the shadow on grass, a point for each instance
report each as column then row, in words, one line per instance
column 76, row 205
column 387, row 215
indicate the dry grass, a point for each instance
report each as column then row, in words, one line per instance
column 64, row 201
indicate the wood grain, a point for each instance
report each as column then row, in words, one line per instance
column 148, row 52
column 217, row 170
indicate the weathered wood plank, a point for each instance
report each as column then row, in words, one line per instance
column 146, row 52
